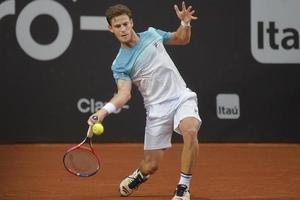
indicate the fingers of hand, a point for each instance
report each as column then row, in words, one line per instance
column 185, row 13
column 93, row 119
column 192, row 13
column 194, row 17
column 176, row 9
column 90, row 122
column 183, row 6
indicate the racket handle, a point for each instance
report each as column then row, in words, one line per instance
column 90, row 132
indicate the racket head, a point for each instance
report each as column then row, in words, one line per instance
column 81, row 160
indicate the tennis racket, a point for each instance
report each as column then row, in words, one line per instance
column 81, row 160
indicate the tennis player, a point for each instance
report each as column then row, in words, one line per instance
column 170, row 105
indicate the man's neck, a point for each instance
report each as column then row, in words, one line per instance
column 134, row 40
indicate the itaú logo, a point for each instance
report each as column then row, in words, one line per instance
column 228, row 106
column 62, row 18
column 275, row 28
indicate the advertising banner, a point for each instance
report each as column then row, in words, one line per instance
column 243, row 62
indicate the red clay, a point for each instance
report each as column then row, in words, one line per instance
column 224, row 172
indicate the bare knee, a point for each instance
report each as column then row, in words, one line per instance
column 190, row 136
column 189, row 128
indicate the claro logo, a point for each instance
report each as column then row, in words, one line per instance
column 85, row 105
column 61, row 16
column 275, row 28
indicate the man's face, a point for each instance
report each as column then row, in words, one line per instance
column 121, row 26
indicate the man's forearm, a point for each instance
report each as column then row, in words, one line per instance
column 120, row 99
column 184, row 33
column 181, row 36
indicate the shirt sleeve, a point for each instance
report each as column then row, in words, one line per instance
column 120, row 73
column 165, row 35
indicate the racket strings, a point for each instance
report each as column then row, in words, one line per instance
column 81, row 162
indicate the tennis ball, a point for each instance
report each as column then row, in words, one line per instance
column 97, row 129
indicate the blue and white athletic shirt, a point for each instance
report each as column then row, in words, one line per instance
column 150, row 68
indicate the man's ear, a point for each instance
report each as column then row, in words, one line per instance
column 110, row 28
column 131, row 22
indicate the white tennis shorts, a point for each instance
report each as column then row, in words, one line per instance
column 163, row 119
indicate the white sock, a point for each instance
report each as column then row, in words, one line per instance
column 185, row 179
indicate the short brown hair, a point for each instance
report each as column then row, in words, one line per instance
column 117, row 10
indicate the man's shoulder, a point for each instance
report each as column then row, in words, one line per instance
column 119, row 59
column 151, row 34
column 123, row 59
column 157, row 33
column 149, row 30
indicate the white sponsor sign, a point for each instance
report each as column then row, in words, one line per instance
column 85, row 105
column 60, row 14
column 275, row 28
column 228, row 106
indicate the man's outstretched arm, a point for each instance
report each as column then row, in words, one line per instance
column 182, row 35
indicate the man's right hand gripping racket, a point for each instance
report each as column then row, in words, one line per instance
column 82, row 160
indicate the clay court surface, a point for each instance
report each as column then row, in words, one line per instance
column 224, row 172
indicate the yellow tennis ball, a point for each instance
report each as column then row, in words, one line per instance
column 97, row 128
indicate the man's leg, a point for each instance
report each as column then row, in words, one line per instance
column 189, row 128
column 158, row 135
column 149, row 165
